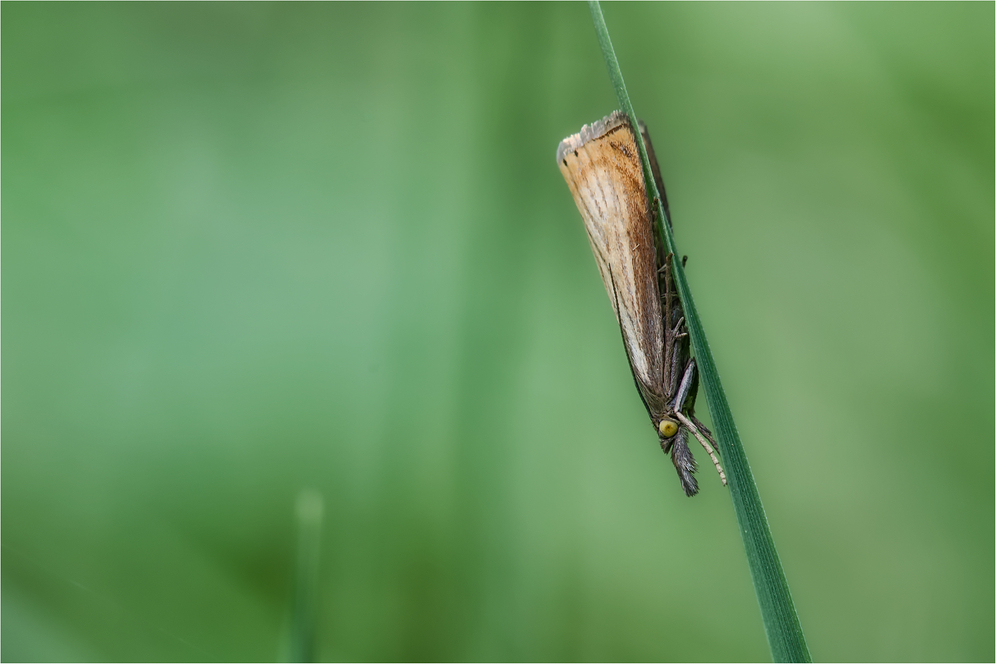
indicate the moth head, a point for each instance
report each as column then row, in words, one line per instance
column 667, row 427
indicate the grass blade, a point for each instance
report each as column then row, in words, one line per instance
column 781, row 622
column 309, row 513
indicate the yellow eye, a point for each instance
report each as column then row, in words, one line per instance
column 668, row 427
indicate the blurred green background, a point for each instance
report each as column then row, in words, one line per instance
column 254, row 249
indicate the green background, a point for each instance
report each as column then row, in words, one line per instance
column 255, row 249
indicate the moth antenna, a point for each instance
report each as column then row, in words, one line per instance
column 705, row 443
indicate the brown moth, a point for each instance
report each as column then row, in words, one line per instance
column 601, row 165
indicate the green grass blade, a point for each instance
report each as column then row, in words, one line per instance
column 781, row 622
column 309, row 513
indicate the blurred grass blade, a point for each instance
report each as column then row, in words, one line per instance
column 308, row 512
column 781, row 622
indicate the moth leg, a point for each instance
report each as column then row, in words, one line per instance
column 684, row 388
column 677, row 326
column 704, row 429
column 697, row 428
column 666, row 305
column 667, row 292
column 676, row 332
column 705, row 443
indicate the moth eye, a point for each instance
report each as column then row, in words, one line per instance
column 668, row 427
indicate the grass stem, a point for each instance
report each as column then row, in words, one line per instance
column 781, row 622
column 308, row 512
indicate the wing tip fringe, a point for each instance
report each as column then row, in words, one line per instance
column 590, row 132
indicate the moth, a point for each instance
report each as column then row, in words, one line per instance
column 601, row 165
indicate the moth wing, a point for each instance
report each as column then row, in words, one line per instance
column 602, row 168
column 655, row 169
